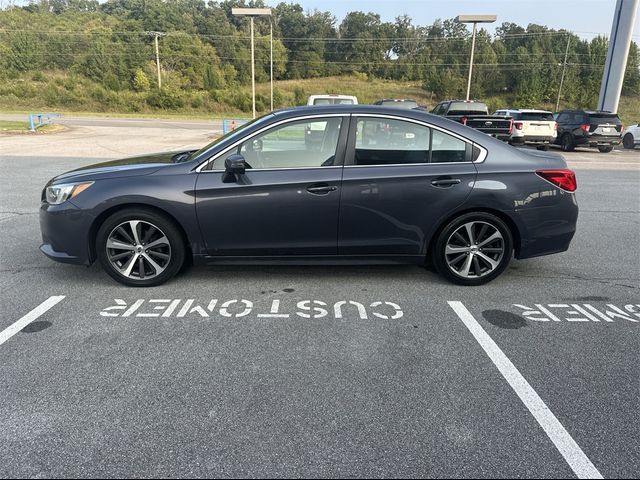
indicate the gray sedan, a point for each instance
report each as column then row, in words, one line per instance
column 377, row 185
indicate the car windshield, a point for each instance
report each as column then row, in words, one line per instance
column 546, row 116
column 604, row 118
column 230, row 134
column 467, row 112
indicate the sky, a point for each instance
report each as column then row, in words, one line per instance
column 585, row 17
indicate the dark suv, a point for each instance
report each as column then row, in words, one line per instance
column 592, row 129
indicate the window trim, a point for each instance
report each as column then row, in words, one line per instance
column 349, row 157
column 340, row 147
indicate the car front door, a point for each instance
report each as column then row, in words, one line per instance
column 286, row 202
column 400, row 179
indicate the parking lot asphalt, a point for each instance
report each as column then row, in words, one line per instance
column 321, row 371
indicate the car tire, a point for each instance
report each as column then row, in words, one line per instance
column 157, row 248
column 606, row 149
column 567, row 143
column 474, row 262
column 628, row 141
column 543, row 148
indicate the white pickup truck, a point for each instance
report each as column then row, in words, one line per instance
column 531, row 127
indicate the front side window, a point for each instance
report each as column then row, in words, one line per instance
column 381, row 141
column 296, row 144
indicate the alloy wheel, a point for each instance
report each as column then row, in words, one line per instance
column 138, row 250
column 474, row 250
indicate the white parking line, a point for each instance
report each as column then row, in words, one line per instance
column 10, row 331
column 565, row 444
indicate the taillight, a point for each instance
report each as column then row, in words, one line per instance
column 510, row 125
column 621, row 128
column 585, row 127
column 463, row 120
column 518, row 125
column 563, row 178
column 555, row 125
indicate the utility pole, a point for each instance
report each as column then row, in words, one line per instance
column 156, row 35
column 564, row 67
column 256, row 12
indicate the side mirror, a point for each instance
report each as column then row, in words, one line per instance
column 234, row 165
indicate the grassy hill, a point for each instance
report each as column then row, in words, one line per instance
column 62, row 92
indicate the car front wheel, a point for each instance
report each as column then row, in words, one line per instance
column 140, row 248
column 473, row 249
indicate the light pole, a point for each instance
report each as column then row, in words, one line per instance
column 251, row 13
column 475, row 19
column 156, row 35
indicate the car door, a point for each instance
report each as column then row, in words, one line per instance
column 287, row 201
column 401, row 177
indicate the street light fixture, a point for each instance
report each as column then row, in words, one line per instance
column 251, row 13
column 475, row 19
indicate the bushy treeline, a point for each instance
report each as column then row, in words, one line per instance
column 206, row 49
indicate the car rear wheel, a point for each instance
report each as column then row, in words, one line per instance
column 140, row 248
column 473, row 249
column 628, row 141
column 567, row 143
column 605, row 149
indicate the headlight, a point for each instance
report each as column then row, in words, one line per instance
column 56, row 194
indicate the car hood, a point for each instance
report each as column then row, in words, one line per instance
column 126, row 167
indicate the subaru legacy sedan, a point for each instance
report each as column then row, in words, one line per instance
column 382, row 185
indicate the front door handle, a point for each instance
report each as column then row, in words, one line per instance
column 321, row 189
column 445, row 182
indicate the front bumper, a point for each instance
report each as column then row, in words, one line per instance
column 65, row 233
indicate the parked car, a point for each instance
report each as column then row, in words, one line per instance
column 631, row 137
column 332, row 99
column 531, row 127
column 397, row 102
column 386, row 186
column 602, row 130
column 314, row 131
column 476, row 115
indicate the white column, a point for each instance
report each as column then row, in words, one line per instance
column 619, row 43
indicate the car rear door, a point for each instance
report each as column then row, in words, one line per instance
column 286, row 203
column 401, row 178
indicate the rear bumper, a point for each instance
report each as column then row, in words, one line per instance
column 533, row 140
column 598, row 140
column 65, row 232
column 549, row 229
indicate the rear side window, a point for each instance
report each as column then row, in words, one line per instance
column 447, row 148
column 397, row 142
column 391, row 142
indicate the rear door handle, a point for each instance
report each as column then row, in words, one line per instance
column 445, row 182
column 321, row 189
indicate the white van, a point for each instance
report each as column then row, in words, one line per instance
column 332, row 99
